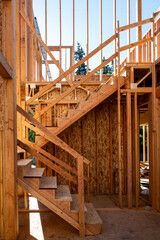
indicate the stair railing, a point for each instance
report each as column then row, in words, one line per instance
column 54, row 163
column 85, row 78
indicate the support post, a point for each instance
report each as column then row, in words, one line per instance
column 114, row 31
column 46, row 38
column 87, row 35
column 154, row 146
column 81, row 197
column 119, row 122
column 101, row 34
column 128, row 31
column 129, row 152
column 139, row 29
column 136, row 148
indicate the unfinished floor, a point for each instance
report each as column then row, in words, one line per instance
column 117, row 224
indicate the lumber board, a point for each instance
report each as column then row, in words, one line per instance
column 5, row 69
column 71, row 69
column 136, row 24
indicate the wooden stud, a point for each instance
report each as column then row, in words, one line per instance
column 119, row 121
column 81, row 198
column 87, row 35
column 154, row 146
column 114, row 32
column 128, row 32
column 46, row 39
column 60, row 35
column 136, row 148
column 129, row 153
column 139, row 29
column 73, row 49
column 101, row 34
column 158, row 40
column 144, row 144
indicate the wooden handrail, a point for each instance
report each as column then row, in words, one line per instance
column 149, row 39
column 49, row 136
column 52, row 158
column 46, row 161
column 75, row 86
column 136, row 24
column 71, row 69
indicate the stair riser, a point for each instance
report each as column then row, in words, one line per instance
column 20, row 156
column 94, row 229
column 33, row 183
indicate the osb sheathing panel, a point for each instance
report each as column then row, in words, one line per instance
column 115, row 164
column 103, row 160
column 62, row 155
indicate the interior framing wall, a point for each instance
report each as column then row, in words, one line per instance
column 95, row 137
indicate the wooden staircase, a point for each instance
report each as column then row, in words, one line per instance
column 56, row 197
column 83, row 107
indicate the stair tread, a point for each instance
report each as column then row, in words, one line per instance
column 34, row 172
column 23, row 162
column 62, row 193
column 74, row 207
column 91, row 216
column 48, row 182
column 20, row 151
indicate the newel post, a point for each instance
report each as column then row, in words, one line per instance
column 81, row 197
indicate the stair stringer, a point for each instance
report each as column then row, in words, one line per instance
column 69, row 217
column 104, row 92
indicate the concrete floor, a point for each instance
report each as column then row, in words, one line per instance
column 117, row 224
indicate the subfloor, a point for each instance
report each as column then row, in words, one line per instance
column 117, row 224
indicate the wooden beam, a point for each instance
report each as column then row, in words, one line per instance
column 136, row 148
column 46, row 39
column 73, row 50
column 129, row 151
column 119, row 121
column 136, row 24
column 101, row 38
column 87, row 35
column 114, row 31
column 144, row 145
column 137, row 43
column 81, row 198
column 110, row 148
column 138, row 90
column 60, row 34
column 142, row 79
column 5, row 69
column 139, row 29
column 154, row 120
column 128, row 32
